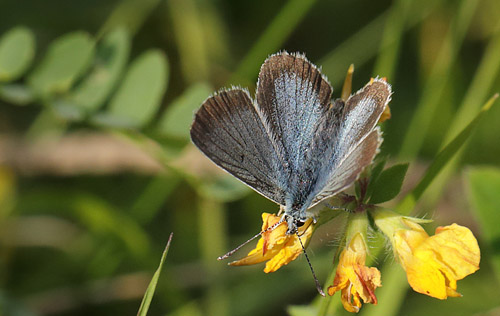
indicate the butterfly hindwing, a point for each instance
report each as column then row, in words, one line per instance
column 349, row 168
column 356, row 139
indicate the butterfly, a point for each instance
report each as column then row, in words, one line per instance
column 292, row 143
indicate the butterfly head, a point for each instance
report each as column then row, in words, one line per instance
column 294, row 223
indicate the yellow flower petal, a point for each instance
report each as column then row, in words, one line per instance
column 255, row 256
column 434, row 264
column 290, row 251
column 275, row 246
column 459, row 246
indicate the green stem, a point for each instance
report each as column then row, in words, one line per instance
column 357, row 224
column 211, row 215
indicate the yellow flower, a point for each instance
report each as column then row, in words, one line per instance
column 433, row 264
column 355, row 280
column 275, row 246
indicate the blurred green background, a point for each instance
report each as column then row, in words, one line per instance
column 96, row 166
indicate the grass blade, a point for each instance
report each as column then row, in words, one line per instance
column 449, row 151
column 436, row 83
column 150, row 291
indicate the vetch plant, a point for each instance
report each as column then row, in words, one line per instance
column 433, row 264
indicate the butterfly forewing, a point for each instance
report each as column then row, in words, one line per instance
column 292, row 97
column 228, row 130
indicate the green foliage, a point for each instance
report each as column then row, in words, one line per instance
column 394, row 283
column 178, row 117
column 302, row 311
column 16, row 94
column 375, row 171
column 66, row 60
column 273, row 37
column 450, row 150
column 91, row 235
column 110, row 60
column 17, row 49
column 484, row 186
column 221, row 187
column 150, row 291
column 55, row 80
column 388, row 184
column 429, row 102
column 142, row 89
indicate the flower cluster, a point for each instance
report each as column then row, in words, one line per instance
column 433, row 264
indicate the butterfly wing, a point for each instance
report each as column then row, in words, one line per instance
column 348, row 170
column 229, row 131
column 356, row 139
column 292, row 145
column 292, row 96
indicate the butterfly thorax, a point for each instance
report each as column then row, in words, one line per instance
column 302, row 186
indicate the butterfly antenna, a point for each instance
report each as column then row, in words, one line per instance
column 270, row 228
column 318, row 286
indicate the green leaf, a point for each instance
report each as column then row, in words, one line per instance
column 388, row 183
column 110, row 59
column 178, row 117
column 484, row 188
column 16, row 94
column 17, row 49
column 375, row 172
column 150, row 291
column 140, row 94
column 66, row 60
